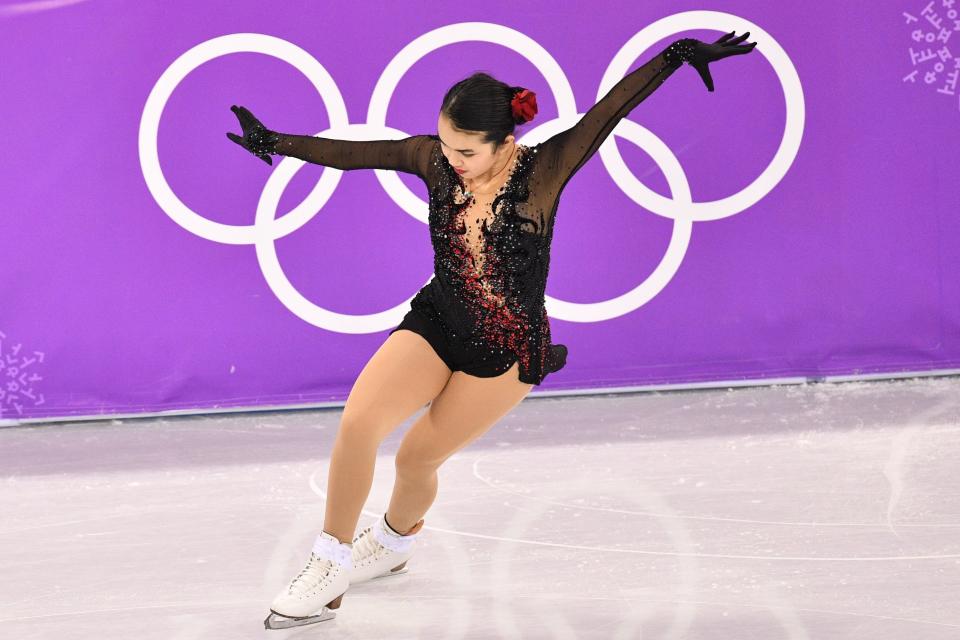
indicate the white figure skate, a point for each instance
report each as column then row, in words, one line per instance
column 379, row 551
column 320, row 585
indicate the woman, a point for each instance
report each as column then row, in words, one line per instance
column 476, row 338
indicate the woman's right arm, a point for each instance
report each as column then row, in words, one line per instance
column 412, row 154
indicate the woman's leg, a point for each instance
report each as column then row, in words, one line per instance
column 466, row 408
column 401, row 377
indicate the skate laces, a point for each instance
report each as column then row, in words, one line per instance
column 312, row 575
column 368, row 545
column 326, row 552
column 365, row 545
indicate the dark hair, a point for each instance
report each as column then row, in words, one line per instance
column 481, row 103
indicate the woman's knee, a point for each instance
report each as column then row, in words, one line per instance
column 418, row 453
column 362, row 432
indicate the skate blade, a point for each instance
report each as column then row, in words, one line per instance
column 279, row 621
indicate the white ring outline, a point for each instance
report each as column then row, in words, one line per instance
column 267, row 227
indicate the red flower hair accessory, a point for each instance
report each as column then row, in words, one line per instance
column 523, row 105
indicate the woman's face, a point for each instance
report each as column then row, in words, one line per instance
column 466, row 152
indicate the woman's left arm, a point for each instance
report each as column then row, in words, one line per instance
column 568, row 150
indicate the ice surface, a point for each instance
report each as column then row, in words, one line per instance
column 784, row 512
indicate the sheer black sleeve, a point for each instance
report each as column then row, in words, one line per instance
column 410, row 155
column 567, row 151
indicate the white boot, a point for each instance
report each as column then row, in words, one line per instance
column 380, row 551
column 319, row 586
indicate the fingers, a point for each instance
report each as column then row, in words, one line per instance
column 733, row 47
column 726, row 42
column 724, row 37
column 243, row 116
column 736, row 42
column 248, row 117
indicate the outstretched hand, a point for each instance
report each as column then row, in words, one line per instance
column 707, row 52
column 256, row 139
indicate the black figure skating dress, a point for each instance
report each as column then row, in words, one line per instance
column 484, row 308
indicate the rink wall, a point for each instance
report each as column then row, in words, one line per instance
column 799, row 222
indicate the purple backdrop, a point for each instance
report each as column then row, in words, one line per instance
column 143, row 270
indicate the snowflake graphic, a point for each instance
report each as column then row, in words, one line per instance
column 17, row 377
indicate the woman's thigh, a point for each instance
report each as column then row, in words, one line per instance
column 463, row 411
column 402, row 376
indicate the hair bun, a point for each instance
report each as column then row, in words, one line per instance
column 523, row 105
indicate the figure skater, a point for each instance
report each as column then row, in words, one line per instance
column 476, row 338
